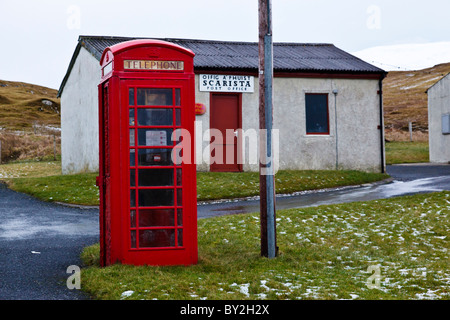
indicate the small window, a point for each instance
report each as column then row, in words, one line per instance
column 446, row 124
column 154, row 97
column 154, row 117
column 317, row 113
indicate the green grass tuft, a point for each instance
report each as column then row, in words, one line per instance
column 406, row 152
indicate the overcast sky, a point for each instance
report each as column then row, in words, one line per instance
column 38, row 37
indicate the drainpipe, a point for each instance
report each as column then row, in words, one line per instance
column 335, row 92
column 381, row 126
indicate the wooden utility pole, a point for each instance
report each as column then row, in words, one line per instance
column 266, row 157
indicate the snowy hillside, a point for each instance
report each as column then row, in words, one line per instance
column 405, row 100
column 406, row 56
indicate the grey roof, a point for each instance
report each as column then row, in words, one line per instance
column 243, row 56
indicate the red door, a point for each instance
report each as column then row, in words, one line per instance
column 226, row 119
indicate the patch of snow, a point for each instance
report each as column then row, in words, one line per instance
column 243, row 288
column 126, row 294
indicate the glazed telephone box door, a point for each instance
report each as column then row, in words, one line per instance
column 155, row 179
column 150, row 216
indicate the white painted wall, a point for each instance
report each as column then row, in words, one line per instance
column 358, row 114
column 438, row 105
column 79, row 116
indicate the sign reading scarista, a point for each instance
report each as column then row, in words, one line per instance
column 226, row 83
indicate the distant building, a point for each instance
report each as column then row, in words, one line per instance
column 327, row 103
column 439, row 120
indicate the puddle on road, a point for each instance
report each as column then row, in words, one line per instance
column 22, row 228
column 312, row 199
column 398, row 188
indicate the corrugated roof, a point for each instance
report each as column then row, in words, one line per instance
column 289, row 57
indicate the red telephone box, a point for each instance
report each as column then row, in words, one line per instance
column 148, row 197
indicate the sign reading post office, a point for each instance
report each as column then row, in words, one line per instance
column 226, row 83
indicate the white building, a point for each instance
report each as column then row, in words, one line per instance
column 327, row 104
column 439, row 120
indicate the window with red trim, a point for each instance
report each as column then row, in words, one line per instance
column 317, row 118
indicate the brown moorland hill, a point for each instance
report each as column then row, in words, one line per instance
column 29, row 122
column 25, row 106
column 405, row 100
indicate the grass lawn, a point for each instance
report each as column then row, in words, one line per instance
column 406, row 152
column 327, row 252
column 44, row 181
column 30, row 169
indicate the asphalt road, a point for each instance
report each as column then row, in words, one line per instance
column 39, row 241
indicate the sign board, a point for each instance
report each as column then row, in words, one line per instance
column 107, row 69
column 226, row 83
column 153, row 65
column 156, row 138
column 200, row 109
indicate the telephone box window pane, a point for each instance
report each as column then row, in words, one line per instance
column 131, row 96
column 178, row 136
column 131, row 116
column 154, row 97
column 178, row 97
column 180, row 237
column 155, row 177
column 179, row 197
column 156, row 238
column 179, row 217
column 179, row 177
column 177, row 117
column 155, row 137
column 133, row 238
column 177, row 156
column 132, row 178
column 132, row 198
column 131, row 137
column 132, row 160
column 155, row 157
column 133, row 218
column 317, row 114
column 155, row 197
column 156, row 218
column 155, row 117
